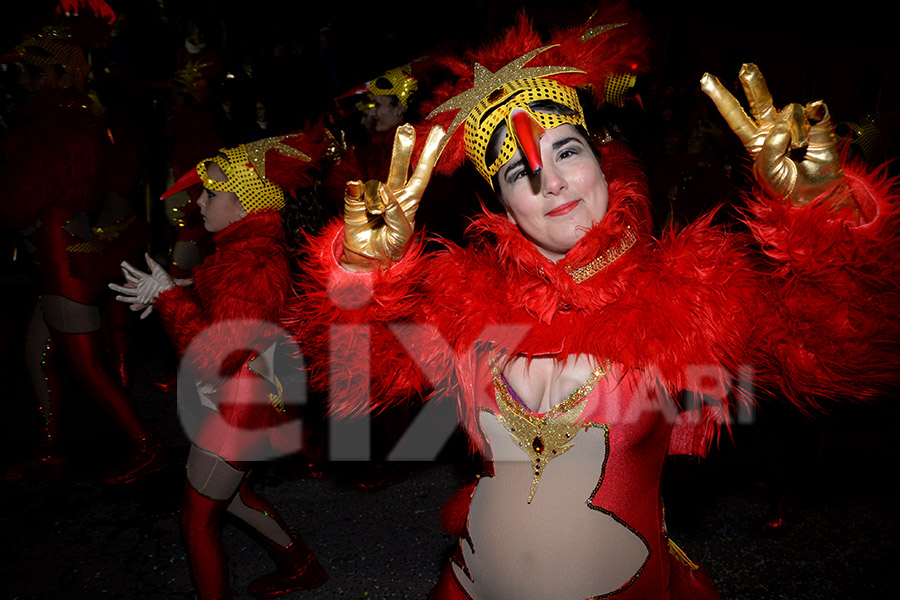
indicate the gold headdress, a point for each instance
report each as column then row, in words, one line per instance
column 506, row 83
column 260, row 172
column 79, row 27
column 401, row 82
column 397, row 82
column 54, row 46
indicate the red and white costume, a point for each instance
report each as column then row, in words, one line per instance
column 228, row 317
column 807, row 300
column 54, row 167
column 225, row 324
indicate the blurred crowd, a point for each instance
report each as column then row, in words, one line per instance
column 172, row 82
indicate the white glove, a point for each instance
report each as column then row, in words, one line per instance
column 141, row 289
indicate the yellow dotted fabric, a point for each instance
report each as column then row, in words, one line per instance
column 254, row 193
column 396, row 82
column 617, row 86
column 496, row 107
column 51, row 47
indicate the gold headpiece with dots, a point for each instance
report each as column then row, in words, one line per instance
column 532, row 91
column 54, row 46
column 397, row 82
column 493, row 97
column 617, row 86
column 246, row 171
column 497, row 108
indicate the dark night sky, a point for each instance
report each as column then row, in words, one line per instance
column 849, row 57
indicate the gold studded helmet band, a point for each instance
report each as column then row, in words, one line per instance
column 497, row 107
column 500, row 82
column 260, row 181
column 52, row 47
column 396, row 82
column 254, row 192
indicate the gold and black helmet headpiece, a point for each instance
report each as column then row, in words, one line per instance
column 508, row 83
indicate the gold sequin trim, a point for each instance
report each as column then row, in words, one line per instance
column 611, row 255
column 90, row 246
column 547, row 436
column 681, row 556
column 277, row 400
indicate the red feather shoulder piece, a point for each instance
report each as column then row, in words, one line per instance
column 234, row 306
column 836, row 280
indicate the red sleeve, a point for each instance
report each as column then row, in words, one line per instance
column 235, row 318
column 361, row 333
column 831, row 327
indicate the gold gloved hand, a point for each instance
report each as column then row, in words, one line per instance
column 379, row 218
column 794, row 149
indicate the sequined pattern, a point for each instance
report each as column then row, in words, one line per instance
column 611, row 255
column 474, row 102
column 542, row 437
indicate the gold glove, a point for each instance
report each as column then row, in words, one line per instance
column 379, row 218
column 793, row 149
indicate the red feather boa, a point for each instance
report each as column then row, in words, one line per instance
column 835, row 284
column 815, row 313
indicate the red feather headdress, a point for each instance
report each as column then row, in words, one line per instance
column 499, row 84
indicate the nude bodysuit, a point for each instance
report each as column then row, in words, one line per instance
column 594, row 458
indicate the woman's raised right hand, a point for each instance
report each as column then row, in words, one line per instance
column 379, row 218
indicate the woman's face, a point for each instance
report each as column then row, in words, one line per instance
column 219, row 209
column 557, row 207
column 386, row 113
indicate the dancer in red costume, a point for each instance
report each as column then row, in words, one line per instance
column 54, row 175
column 568, row 333
column 225, row 325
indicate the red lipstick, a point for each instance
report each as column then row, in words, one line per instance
column 563, row 209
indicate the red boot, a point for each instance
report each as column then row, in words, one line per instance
column 148, row 456
column 296, row 569
column 167, row 383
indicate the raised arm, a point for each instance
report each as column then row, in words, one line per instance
column 379, row 217
column 793, row 149
column 829, row 316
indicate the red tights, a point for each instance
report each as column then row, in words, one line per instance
column 201, row 526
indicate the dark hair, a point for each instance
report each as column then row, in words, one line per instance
column 303, row 215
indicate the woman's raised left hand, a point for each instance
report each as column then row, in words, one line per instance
column 794, row 149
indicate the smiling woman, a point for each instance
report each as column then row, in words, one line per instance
column 556, row 207
column 570, row 336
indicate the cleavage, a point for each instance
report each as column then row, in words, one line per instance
column 542, row 383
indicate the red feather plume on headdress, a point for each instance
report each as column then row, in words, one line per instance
column 291, row 174
column 86, row 8
column 595, row 47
